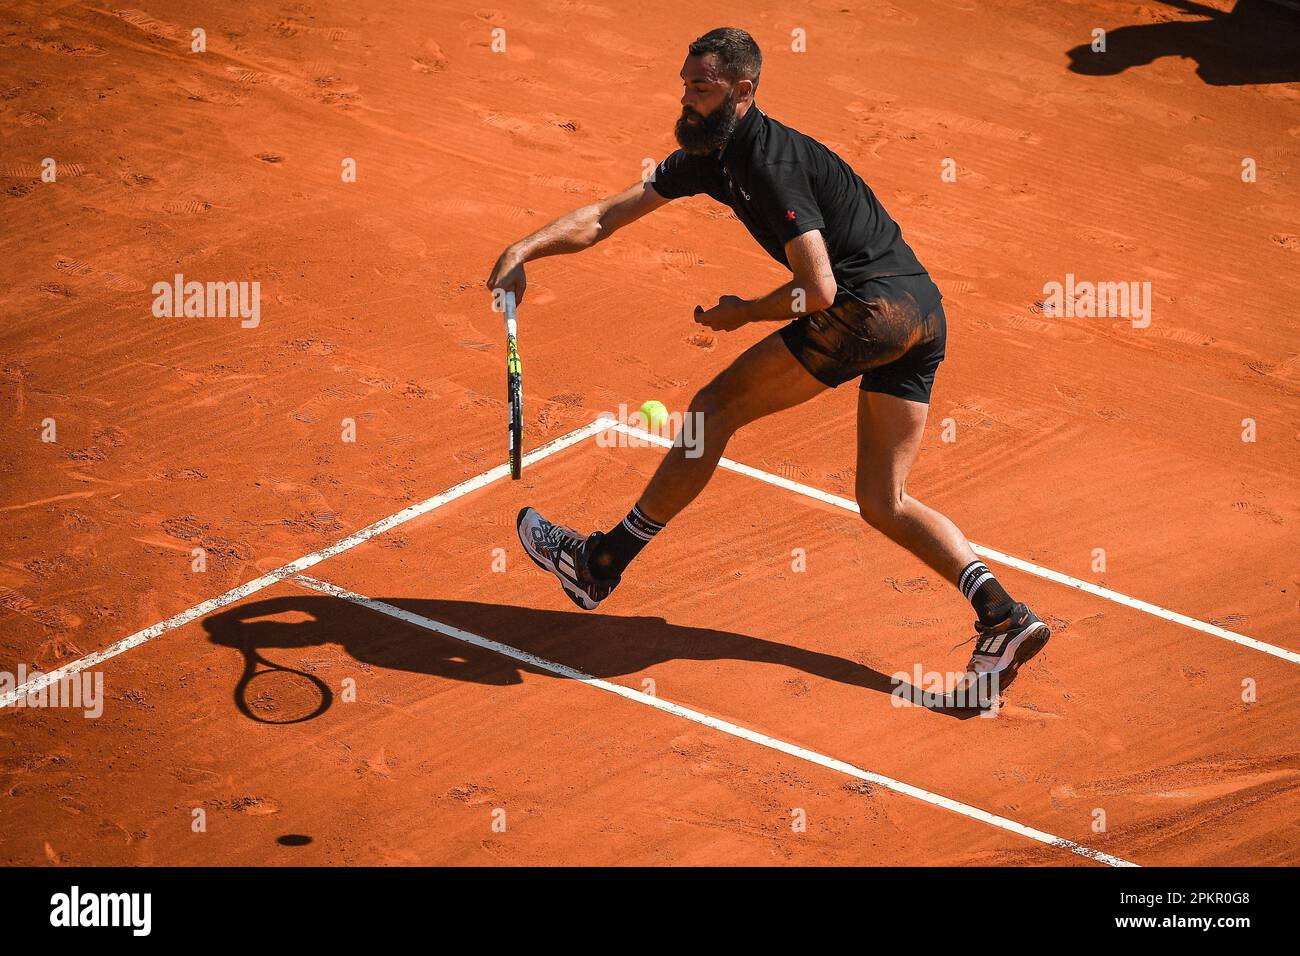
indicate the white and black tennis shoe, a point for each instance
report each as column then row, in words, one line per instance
column 564, row 553
column 1001, row 648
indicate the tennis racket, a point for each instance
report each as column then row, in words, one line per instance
column 270, row 693
column 514, row 390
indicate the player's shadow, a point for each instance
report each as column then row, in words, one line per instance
column 595, row 644
column 1257, row 41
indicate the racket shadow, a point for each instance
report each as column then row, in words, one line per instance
column 285, row 629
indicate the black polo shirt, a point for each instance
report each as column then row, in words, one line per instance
column 781, row 184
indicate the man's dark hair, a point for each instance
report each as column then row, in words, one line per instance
column 738, row 54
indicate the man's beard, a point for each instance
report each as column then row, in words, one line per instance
column 711, row 132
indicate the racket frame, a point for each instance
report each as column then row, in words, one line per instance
column 514, row 390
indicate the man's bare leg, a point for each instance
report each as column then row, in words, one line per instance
column 889, row 437
column 765, row 379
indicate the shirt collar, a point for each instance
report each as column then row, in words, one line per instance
column 744, row 133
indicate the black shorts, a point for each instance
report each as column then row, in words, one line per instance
column 890, row 330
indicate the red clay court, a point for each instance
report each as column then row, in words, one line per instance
column 336, row 468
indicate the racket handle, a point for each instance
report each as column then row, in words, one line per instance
column 511, row 326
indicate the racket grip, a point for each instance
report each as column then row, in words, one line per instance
column 511, row 324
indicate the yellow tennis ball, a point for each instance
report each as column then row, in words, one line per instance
column 655, row 414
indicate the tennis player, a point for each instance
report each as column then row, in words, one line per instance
column 859, row 305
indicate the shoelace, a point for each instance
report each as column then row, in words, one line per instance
column 967, row 641
column 982, row 639
column 556, row 538
column 553, row 537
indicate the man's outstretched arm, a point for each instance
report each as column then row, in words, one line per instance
column 573, row 232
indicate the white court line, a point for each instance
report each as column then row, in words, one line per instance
column 989, row 553
column 735, row 730
column 572, row 438
column 302, row 564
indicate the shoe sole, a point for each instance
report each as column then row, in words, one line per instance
column 545, row 566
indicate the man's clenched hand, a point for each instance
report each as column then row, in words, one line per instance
column 508, row 275
column 729, row 314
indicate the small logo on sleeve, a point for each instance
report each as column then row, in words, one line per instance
column 789, row 214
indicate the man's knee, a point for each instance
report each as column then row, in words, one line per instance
column 881, row 507
column 717, row 413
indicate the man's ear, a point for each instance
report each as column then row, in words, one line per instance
column 744, row 90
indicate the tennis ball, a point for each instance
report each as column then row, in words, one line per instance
column 655, row 414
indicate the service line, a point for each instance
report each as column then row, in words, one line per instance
column 992, row 554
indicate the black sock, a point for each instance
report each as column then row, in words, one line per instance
column 981, row 588
column 624, row 542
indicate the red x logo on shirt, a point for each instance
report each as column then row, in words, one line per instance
column 789, row 214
